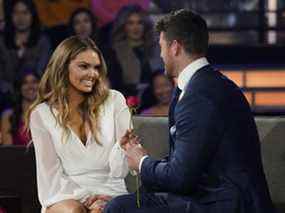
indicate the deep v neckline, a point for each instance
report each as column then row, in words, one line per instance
column 78, row 139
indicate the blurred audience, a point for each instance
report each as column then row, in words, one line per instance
column 57, row 12
column 2, row 16
column 136, row 54
column 156, row 100
column 83, row 23
column 168, row 5
column 23, row 45
column 5, row 95
column 106, row 10
column 12, row 124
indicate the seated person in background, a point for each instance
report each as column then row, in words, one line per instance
column 136, row 53
column 82, row 23
column 12, row 120
column 76, row 124
column 5, row 95
column 161, row 90
column 2, row 16
column 57, row 12
column 108, row 9
column 23, row 45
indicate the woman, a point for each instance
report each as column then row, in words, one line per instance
column 76, row 124
column 23, row 45
column 12, row 120
column 135, row 50
column 160, row 91
column 107, row 9
column 83, row 24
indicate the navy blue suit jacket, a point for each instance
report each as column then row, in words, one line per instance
column 215, row 158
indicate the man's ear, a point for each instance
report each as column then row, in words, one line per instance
column 176, row 47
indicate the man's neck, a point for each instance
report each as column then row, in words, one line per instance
column 185, row 61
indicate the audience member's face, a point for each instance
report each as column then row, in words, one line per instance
column 166, row 57
column 162, row 89
column 82, row 25
column 84, row 71
column 134, row 27
column 22, row 17
column 29, row 88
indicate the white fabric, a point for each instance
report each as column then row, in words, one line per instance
column 68, row 169
column 141, row 161
column 187, row 73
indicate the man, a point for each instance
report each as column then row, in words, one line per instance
column 214, row 163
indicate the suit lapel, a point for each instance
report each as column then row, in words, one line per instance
column 173, row 103
column 171, row 119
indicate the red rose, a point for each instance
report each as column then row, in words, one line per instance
column 133, row 101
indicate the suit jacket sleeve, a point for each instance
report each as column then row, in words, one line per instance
column 198, row 129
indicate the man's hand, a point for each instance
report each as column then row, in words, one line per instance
column 134, row 154
column 134, row 151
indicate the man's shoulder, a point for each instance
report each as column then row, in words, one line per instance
column 210, row 80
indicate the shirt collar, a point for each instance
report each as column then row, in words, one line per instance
column 186, row 74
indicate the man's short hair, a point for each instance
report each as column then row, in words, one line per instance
column 186, row 27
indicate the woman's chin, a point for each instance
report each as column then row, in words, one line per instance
column 87, row 90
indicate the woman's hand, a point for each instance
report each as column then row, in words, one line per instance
column 96, row 203
column 98, row 206
column 129, row 139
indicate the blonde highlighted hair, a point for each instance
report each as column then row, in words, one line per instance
column 53, row 87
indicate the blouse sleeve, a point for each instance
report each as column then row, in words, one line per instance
column 117, row 159
column 53, row 184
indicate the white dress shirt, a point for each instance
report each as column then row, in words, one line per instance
column 68, row 169
column 182, row 81
column 187, row 73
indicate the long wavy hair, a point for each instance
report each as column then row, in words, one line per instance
column 9, row 29
column 118, row 31
column 53, row 87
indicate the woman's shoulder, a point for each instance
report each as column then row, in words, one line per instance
column 40, row 109
column 41, row 115
column 115, row 101
column 116, row 96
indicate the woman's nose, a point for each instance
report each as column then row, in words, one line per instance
column 93, row 73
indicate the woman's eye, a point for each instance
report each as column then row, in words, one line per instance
column 97, row 67
column 83, row 66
